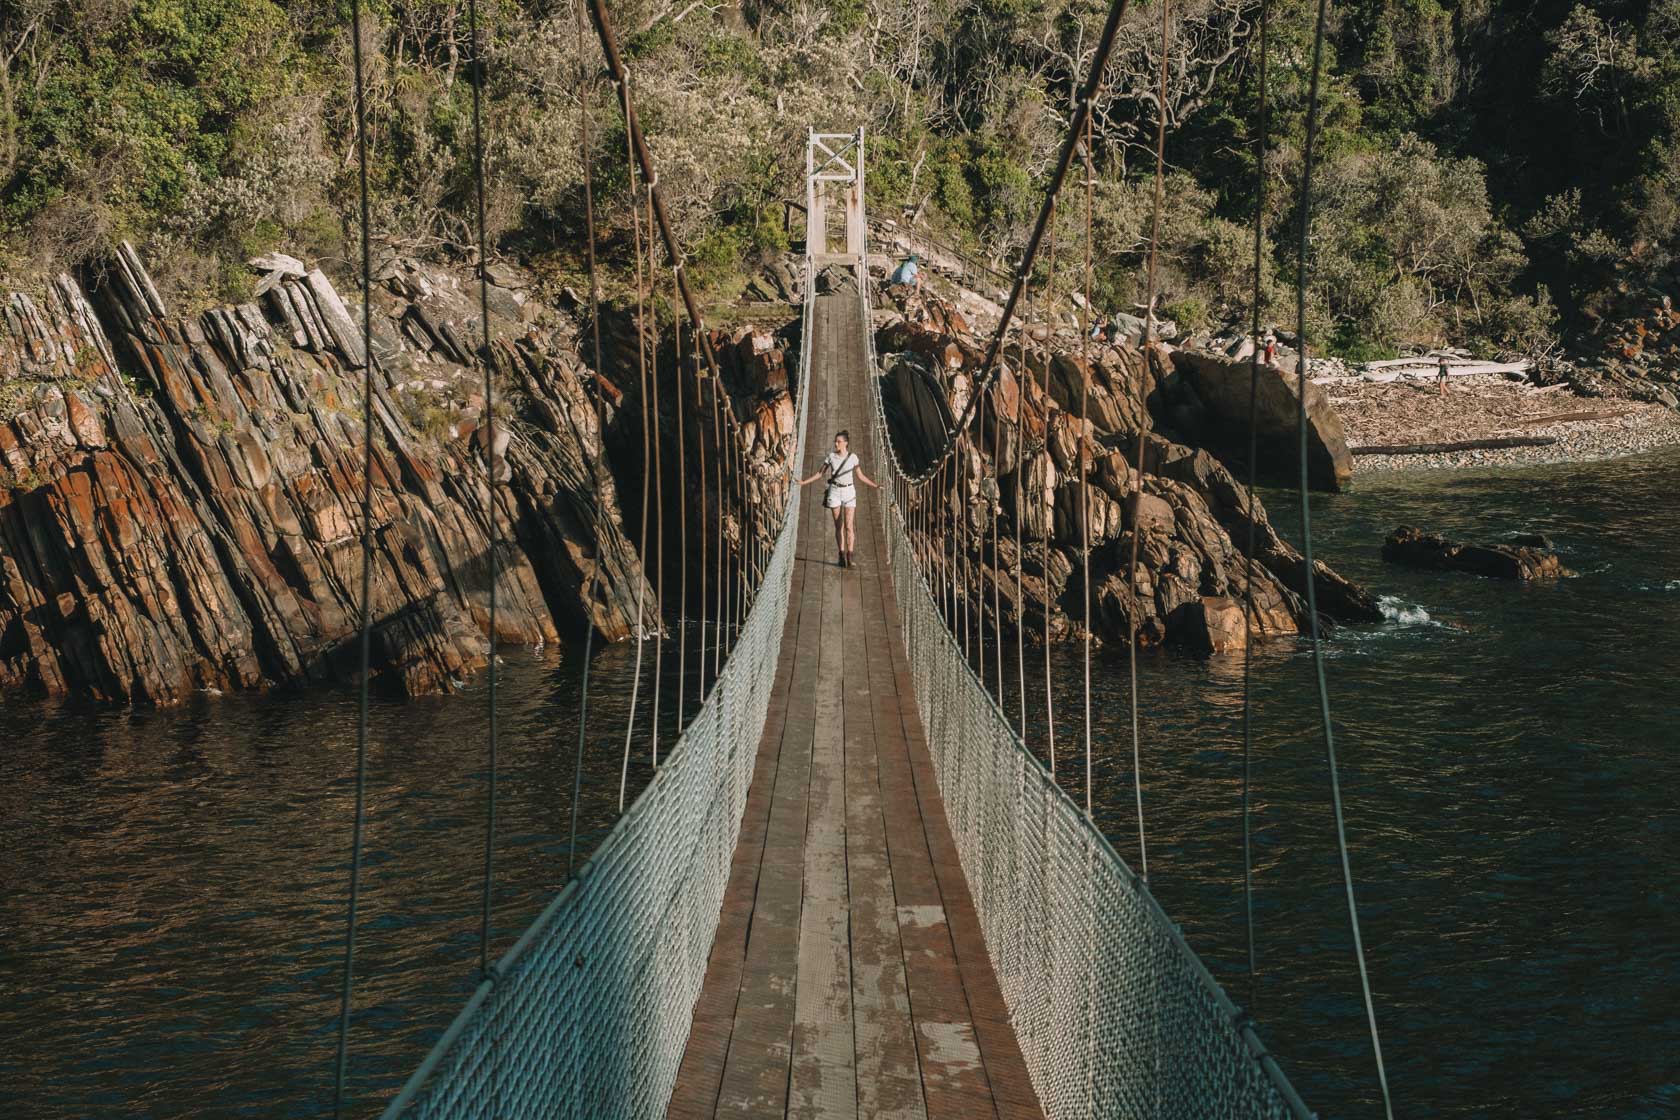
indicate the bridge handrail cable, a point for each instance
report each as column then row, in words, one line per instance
column 1115, row 1013
column 587, row 1014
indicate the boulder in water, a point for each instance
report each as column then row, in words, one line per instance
column 1211, row 624
column 1418, row 549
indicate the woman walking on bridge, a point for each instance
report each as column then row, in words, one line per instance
column 840, row 499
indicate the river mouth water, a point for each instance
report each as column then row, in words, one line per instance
column 172, row 884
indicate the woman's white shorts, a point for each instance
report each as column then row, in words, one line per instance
column 840, row 497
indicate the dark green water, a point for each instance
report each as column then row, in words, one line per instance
column 1510, row 762
column 171, row 885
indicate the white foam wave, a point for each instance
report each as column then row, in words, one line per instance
column 1396, row 610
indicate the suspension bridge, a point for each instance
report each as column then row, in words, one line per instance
column 850, row 889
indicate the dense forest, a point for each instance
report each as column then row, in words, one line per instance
column 1493, row 173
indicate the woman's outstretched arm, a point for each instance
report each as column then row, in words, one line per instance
column 867, row 481
column 807, row 481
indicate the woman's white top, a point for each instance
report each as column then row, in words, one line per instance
column 842, row 484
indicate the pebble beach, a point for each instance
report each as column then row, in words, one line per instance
column 1483, row 407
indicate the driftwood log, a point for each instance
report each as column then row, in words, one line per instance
column 1456, row 367
column 1446, row 448
column 1567, row 418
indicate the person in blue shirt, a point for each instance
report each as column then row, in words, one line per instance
column 909, row 272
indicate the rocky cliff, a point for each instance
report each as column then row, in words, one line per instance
column 722, row 442
column 1219, row 418
column 180, row 496
column 1021, row 465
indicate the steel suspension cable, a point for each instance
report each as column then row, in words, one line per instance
column 925, row 494
column 1307, row 554
column 365, row 637
column 947, row 531
column 736, row 567
column 963, row 511
column 740, row 465
column 1145, row 351
column 1082, row 109
column 641, row 156
column 931, row 493
column 722, row 584
column 1047, row 494
column 933, row 544
column 972, row 552
column 637, row 143
column 647, row 455
column 1020, row 515
column 587, row 154
column 1084, row 423
column 926, row 524
column 489, row 469
column 1260, row 143
column 959, row 600
column 738, row 555
column 980, row 552
column 700, row 453
column 997, row 556
column 682, row 510
column 658, row 484
column 942, row 515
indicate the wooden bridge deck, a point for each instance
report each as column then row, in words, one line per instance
column 848, row 976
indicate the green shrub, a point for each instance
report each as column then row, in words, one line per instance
column 1190, row 313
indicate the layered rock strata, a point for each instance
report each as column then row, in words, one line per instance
column 722, row 442
column 1019, row 466
column 181, row 495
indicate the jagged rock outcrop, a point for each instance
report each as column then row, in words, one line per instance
column 1631, row 345
column 1221, row 390
column 1187, row 516
column 1417, row 549
column 180, row 496
column 721, row 440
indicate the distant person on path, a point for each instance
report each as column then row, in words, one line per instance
column 1271, row 349
column 908, row 273
column 1441, row 374
column 841, row 467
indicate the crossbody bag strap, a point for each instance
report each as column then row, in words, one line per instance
column 846, row 467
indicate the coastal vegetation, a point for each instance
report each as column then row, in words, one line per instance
column 1494, row 174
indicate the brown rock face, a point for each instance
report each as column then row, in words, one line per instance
column 1149, row 513
column 181, row 498
column 1228, row 501
column 719, row 439
column 1213, row 624
column 1417, row 549
column 1221, row 389
column 1188, row 516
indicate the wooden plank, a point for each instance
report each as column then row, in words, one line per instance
column 1013, row 1096
column 1011, row 1086
column 755, row 1076
column 889, row 1075
column 701, row 1072
column 848, row 976
column 954, row 1078
column 823, row 1083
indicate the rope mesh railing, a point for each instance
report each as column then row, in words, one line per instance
column 1115, row 1013
column 587, row 1015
